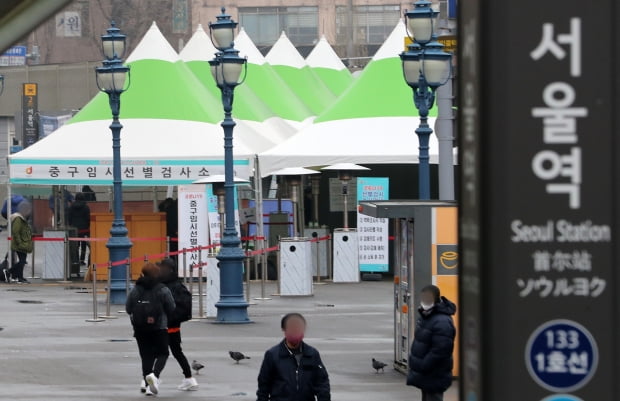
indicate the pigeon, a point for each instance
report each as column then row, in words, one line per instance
column 237, row 356
column 376, row 365
column 197, row 366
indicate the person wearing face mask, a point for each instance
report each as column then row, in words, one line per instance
column 430, row 357
column 293, row 370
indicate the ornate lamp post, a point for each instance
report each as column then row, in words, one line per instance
column 425, row 68
column 112, row 79
column 226, row 68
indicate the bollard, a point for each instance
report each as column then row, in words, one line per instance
column 263, row 269
column 185, row 266
column 108, row 314
column 246, row 262
column 66, row 266
column 32, row 276
column 201, row 313
column 127, row 276
column 330, row 269
column 279, row 272
column 191, row 279
column 95, row 318
column 167, row 246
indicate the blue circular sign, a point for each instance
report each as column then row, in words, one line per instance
column 561, row 356
column 562, row 397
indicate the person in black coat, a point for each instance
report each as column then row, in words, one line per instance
column 430, row 357
column 79, row 217
column 293, row 370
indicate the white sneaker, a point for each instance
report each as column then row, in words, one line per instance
column 148, row 392
column 189, row 384
column 142, row 386
column 153, row 383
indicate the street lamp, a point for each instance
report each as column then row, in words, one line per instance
column 425, row 68
column 112, row 78
column 226, row 69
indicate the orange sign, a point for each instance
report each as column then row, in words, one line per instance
column 30, row 89
column 448, row 42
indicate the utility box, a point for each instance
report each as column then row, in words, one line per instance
column 346, row 256
column 425, row 252
column 295, row 267
column 320, row 251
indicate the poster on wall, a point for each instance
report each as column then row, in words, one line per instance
column 372, row 232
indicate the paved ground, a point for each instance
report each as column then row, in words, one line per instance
column 49, row 351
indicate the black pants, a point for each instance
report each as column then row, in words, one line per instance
column 17, row 271
column 174, row 340
column 432, row 396
column 153, row 347
column 82, row 248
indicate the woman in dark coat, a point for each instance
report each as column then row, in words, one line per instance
column 430, row 359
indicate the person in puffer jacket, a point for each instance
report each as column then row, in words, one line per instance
column 430, row 357
column 293, row 370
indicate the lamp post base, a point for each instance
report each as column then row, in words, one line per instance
column 232, row 307
column 119, row 247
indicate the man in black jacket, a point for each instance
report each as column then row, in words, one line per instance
column 430, row 359
column 79, row 217
column 293, row 370
column 182, row 313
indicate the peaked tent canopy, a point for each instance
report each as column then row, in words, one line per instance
column 247, row 105
column 372, row 122
column 170, row 134
column 326, row 64
column 292, row 68
column 268, row 85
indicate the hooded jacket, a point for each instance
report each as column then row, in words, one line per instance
column 282, row 379
column 430, row 358
column 21, row 234
column 164, row 295
column 79, row 216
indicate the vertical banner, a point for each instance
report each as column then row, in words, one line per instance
column 539, row 157
column 214, row 216
column 30, row 113
column 372, row 232
column 193, row 221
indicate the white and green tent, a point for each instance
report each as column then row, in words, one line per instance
column 247, row 106
column 269, row 86
column 374, row 121
column 171, row 133
column 326, row 64
column 292, row 68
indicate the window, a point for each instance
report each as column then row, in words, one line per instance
column 264, row 24
column 371, row 24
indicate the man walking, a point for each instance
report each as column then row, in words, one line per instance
column 430, row 359
column 182, row 313
column 79, row 217
column 21, row 242
column 293, row 370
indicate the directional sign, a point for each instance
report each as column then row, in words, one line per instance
column 561, row 355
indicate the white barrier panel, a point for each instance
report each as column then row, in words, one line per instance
column 295, row 267
column 54, row 266
column 322, row 252
column 346, row 256
column 213, row 286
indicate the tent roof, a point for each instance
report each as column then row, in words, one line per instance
column 248, row 49
column 368, row 140
column 284, row 52
column 153, row 46
column 199, row 47
column 324, row 56
column 380, row 90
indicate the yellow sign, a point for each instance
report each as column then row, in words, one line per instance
column 30, row 89
column 448, row 42
column 449, row 260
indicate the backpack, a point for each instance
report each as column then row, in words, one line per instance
column 183, row 300
column 147, row 309
column 4, row 266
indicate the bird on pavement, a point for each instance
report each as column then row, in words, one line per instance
column 237, row 356
column 376, row 365
column 197, row 366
